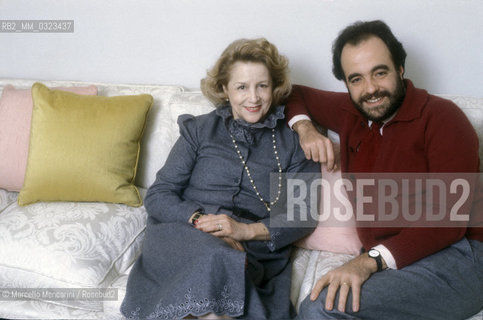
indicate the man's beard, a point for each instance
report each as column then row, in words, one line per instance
column 388, row 109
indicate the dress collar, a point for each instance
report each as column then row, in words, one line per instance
column 246, row 131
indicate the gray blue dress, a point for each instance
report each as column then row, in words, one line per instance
column 183, row 271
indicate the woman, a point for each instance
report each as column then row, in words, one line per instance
column 209, row 249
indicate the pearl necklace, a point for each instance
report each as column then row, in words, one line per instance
column 250, row 176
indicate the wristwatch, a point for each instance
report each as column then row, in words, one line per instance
column 376, row 255
column 196, row 215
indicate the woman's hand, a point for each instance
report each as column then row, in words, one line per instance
column 221, row 225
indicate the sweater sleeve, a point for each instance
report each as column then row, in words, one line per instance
column 164, row 200
column 324, row 107
column 451, row 147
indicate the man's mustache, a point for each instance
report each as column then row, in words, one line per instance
column 376, row 95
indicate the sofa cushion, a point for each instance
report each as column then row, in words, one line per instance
column 158, row 126
column 155, row 144
column 473, row 108
column 15, row 115
column 308, row 267
column 192, row 102
column 84, row 148
column 7, row 198
column 68, row 245
column 330, row 234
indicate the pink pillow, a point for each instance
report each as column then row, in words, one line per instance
column 332, row 235
column 15, row 115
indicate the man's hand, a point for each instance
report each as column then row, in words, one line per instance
column 348, row 276
column 316, row 147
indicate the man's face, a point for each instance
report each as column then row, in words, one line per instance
column 374, row 84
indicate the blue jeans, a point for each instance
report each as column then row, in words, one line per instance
column 445, row 285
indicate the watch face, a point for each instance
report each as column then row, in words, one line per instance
column 373, row 253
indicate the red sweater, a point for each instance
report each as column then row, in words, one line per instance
column 428, row 134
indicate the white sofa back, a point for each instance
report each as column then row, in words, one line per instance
column 170, row 101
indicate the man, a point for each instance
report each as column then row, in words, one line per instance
column 405, row 272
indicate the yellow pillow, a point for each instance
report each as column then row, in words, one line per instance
column 84, row 148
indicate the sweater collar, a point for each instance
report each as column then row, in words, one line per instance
column 413, row 103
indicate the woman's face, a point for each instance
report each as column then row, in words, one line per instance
column 249, row 91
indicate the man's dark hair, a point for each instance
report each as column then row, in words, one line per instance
column 360, row 31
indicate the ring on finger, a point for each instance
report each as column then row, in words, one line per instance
column 345, row 283
column 219, row 226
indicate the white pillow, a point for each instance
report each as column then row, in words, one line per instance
column 7, row 198
column 68, row 245
column 193, row 102
column 154, row 148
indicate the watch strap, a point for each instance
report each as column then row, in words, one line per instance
column 379, row 263
column 196, row 215
column 378, row 259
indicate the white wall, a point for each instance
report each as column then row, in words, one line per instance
column 176, row 41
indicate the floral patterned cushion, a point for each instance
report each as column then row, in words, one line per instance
column 473, row 108
column 7, row 198
column 67, row 245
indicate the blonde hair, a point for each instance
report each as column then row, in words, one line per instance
column 248, row 50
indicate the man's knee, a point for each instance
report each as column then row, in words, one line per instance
column 315, row 310
column 309, row 309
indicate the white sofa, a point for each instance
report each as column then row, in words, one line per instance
column 81, row 247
